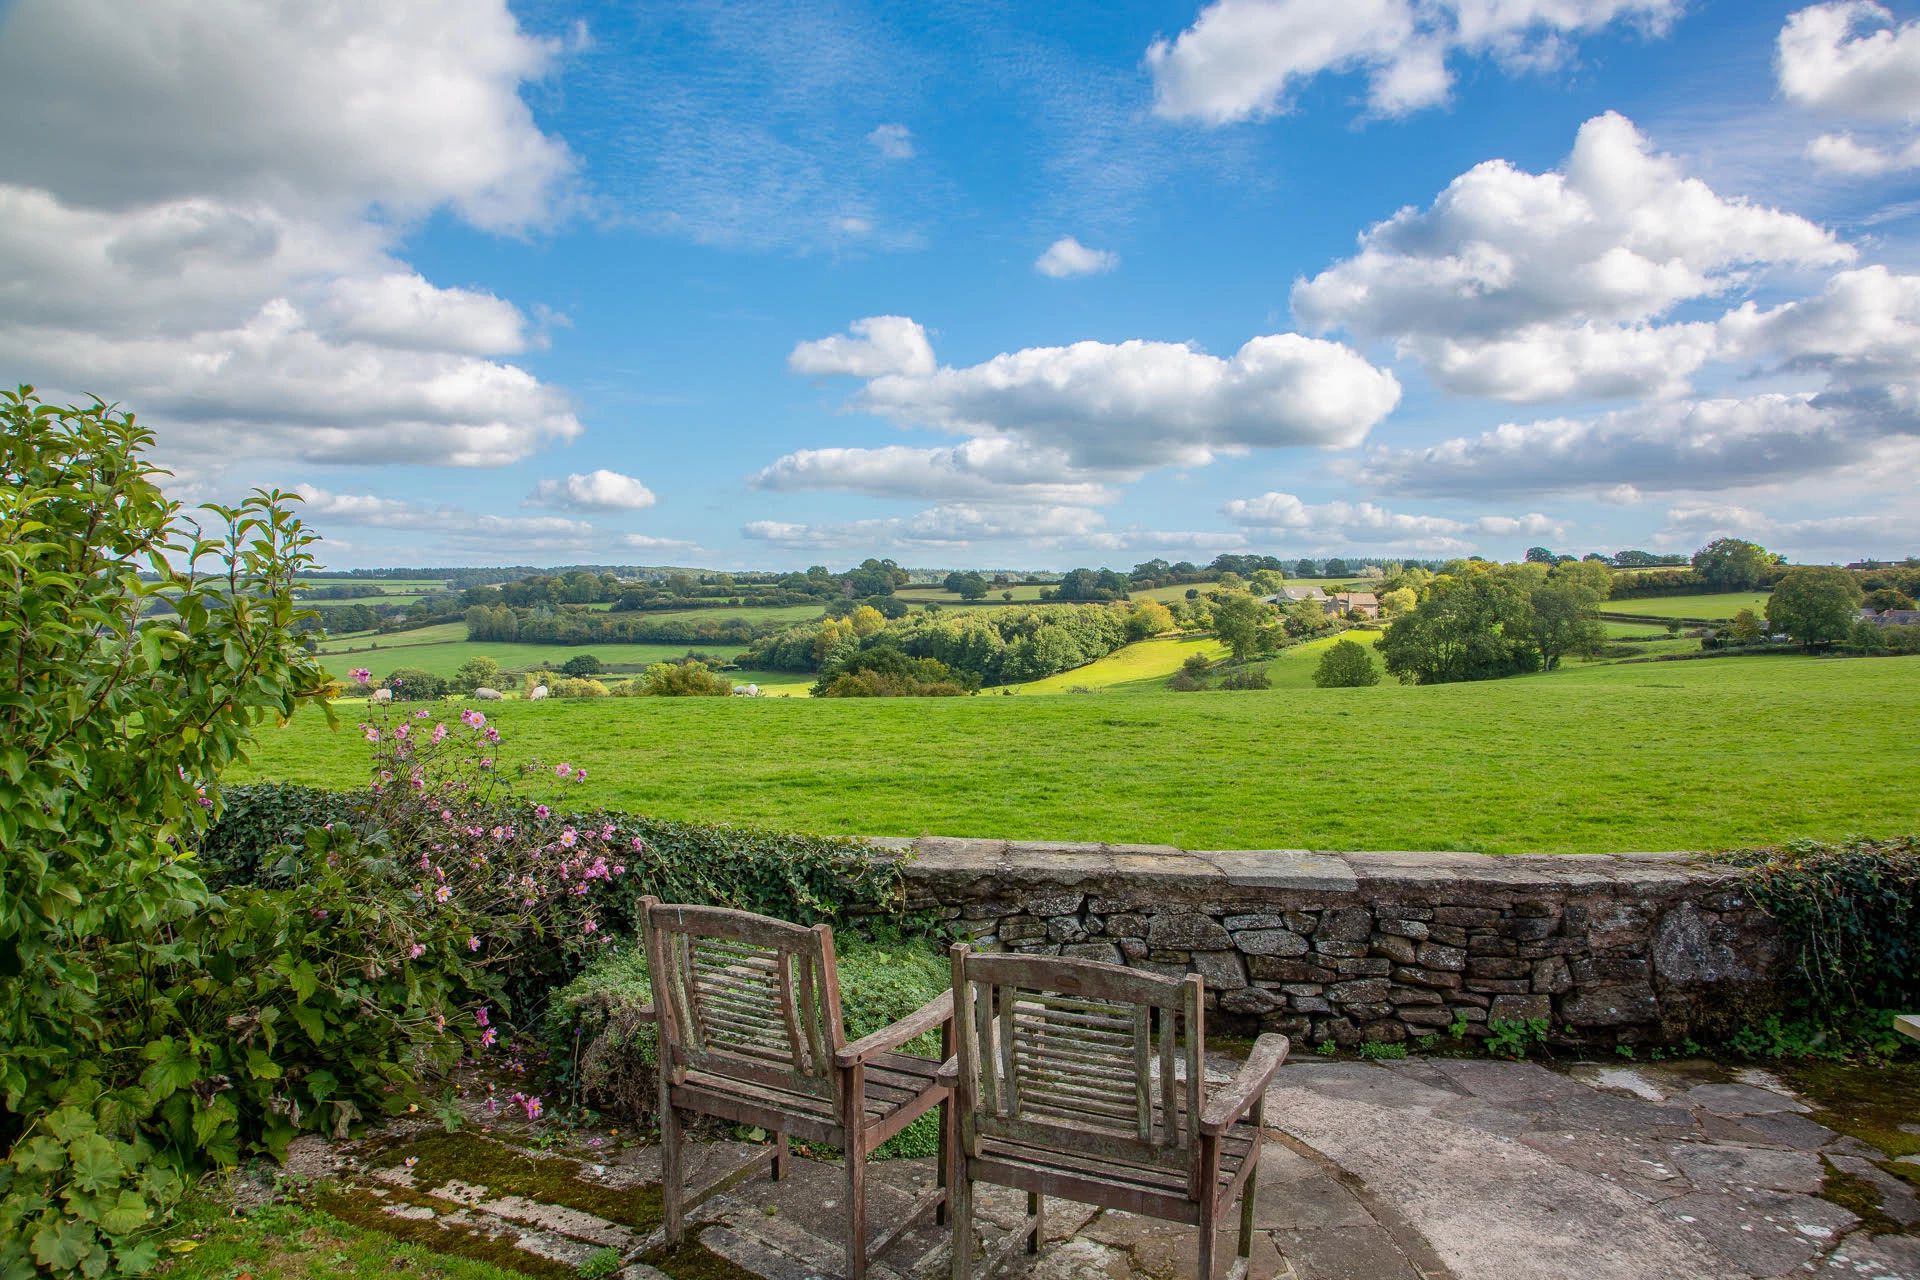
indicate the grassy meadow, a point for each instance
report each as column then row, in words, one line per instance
column 1714, row 608
column 442, row 649
column 1598, row 757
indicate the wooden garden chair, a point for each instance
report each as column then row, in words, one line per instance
column 748, row 1015
column 1067, row 1082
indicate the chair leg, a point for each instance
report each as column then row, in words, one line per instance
column 856, row 1212
column 780, row 1157
column 1252, row 1188
column 673, row 1176
column 1037, row 1211
column 942, row 1173
column 1209, row 1227
column 962, row 1219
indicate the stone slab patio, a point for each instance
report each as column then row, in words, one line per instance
column 1409, row 1170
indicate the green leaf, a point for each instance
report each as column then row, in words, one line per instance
column 97, row 1166
column 62, row 1246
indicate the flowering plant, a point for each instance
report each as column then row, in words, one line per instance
column 500, row 885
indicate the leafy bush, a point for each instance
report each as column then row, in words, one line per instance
column 1182, row 682
column 605, row 1057
column 805, row 878
column 577, row 687
column 1850, row 913
column 1346, row 665
column 583, row 664
column 411, row 684
column 257, row 817
column 887, row 673
column 1247, row 678
column 478, row 672
column 680, row 680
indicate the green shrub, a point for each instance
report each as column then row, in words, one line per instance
column 583, row 664
column 604, row 1057
column 577, row 687
column 411, row 684
column 1850, row 914
column 1346, row 665
column 1247, row 678
column 680, row 680
column 805, row 878
column 478, row 672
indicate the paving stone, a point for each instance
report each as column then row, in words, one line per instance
column 1759, row 1237
column 1711, row 1167
column 1897, row 1200
column 1741, row 1100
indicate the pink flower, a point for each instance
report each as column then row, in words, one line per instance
column 481, row 1018
column 360, row 675
column 579, row 775
column 488, row 1037
column 401, row 731
column 567, row 837
column 606, row 832
column 591, row 927
column 373, row 734
column 439, row 734
column 421, row 714
column 473, row 943
column 446, row 815
column 541, row 811
column 443, row 893
column 417, row 950
column 562, row 769
column 493, row 735
column 619, row 868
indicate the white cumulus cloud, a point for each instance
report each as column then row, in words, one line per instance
column 1341, row 523
column 1851, row 59
column 599, row 490
column 1127, row 407
column 982, row 469
column 1245, row 59
column 870, row 348
column 1525, row 286
column 203, row 206
column 1068, row 257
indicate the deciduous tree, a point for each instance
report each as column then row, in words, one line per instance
column 1815, row 605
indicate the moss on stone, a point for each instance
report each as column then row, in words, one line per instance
column 1872, row 1103
column 360, row 1208
column 509, row 1170
column 694, row 1261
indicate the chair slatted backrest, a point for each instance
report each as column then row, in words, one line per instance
column 1079, row 1056
column 744, row 997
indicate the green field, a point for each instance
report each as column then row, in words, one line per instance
column 1026, row 593
column 1147, row 662
column 1677, row 755
column 1714, row 607
column 443, row 648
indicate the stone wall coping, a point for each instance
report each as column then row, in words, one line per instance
column 1186, row 871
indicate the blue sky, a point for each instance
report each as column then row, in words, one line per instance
column 979, row 284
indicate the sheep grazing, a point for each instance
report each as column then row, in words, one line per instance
column 484, row 694
column 382, row 695
column 539, row 692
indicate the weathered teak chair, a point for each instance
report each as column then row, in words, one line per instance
column 1068, row 1082
column 748, row 1011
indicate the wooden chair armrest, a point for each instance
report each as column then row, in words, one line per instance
column 948, row 1076
column 1256, row 1073
column 919, row 1022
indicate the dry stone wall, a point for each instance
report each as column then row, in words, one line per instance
column 1358, row 947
